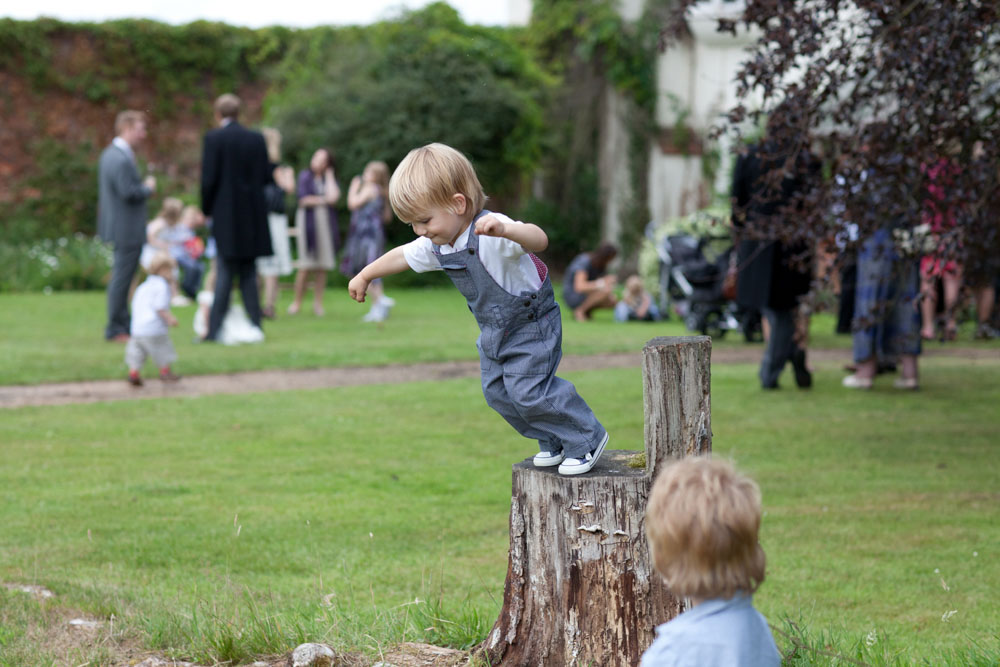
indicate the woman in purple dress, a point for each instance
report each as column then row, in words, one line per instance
column 316, row 228
column 370, row 211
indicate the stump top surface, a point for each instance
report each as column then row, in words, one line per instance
column 614, row 463
column 673, row 341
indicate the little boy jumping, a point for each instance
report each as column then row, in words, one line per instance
column 488, row 257
column 702, row 520
column 150, row 318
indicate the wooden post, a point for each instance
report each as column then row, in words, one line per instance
column 580, row 585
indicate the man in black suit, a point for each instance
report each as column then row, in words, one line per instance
column 771, row 277
column 121, row 215
column 234, row 170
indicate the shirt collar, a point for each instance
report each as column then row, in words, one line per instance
column 124, row 146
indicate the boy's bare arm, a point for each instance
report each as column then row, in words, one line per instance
column 529, row 236
column 167, row 317
column 386, row 265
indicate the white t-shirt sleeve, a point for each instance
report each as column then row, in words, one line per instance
column 505, row 247
column 419, row 254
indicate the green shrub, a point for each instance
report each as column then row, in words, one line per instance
column 74, row 262
column 61, row 194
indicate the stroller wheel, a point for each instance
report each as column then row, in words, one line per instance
column 712, row 325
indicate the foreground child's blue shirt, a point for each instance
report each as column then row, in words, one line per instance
column 716, row 633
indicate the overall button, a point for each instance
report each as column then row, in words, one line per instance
column 526, row 303
column 531, row 316
column 534, row 296
column 472, row 251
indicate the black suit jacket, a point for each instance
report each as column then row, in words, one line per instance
column 767, row 278
column 234, row 170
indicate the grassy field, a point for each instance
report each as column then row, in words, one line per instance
column 226, row 527
column 59, row 337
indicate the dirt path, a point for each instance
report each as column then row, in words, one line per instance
column 17, row 396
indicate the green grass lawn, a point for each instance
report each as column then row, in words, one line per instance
column 229, row 526
column 59, row 337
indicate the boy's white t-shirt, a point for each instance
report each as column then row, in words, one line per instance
column 506, row 261
column 152, row 295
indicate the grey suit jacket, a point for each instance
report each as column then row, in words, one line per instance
column 121, row 199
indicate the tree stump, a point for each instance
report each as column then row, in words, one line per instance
column 581, row 588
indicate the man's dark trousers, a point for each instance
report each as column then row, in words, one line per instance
column 123, row 268
column 246, row 271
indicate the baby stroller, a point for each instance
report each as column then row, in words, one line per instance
column 692, row 283
column 692, row 270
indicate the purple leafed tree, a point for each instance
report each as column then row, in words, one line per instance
column 893, row 96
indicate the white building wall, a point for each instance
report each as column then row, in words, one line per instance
column 694, row 79
column 695, row 87
column 518, row 12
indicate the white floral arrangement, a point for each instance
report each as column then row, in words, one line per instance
column 916, row 241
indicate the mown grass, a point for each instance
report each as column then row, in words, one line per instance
column 225, row 527
column 59, row 337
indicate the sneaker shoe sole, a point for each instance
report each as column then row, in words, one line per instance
column 547, row 461
column 588, row 465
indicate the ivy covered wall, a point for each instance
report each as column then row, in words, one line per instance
column 522, row 102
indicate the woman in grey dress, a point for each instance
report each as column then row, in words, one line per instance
column 586, row 286
column 316, row 228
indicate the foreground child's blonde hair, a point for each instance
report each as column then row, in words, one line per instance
column 702, row 520
column 428, row 177
column 161, row 262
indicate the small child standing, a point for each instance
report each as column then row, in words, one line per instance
column 150, row 318
column 188, row 248
column 488, row 257
column 702, row 521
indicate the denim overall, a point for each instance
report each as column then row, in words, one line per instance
column 520, row 345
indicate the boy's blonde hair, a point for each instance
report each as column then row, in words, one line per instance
column 159, row 262
column 171, row 210
column 428, row 177
column 702, row 520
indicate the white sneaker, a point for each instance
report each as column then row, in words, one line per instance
column 377, row 313
column 389, row 302
column 548, row 459
column 580, row 466
column 179, row 301
column 855, row 382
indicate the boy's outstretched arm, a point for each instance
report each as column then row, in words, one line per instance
column 529, row 236
column 386, row 265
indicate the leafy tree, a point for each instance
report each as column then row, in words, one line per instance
column 376, row 93
column 587, row 47
column 883, row 88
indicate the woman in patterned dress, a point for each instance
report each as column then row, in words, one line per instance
column 369, row 204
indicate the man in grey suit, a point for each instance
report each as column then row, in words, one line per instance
column 122, row 215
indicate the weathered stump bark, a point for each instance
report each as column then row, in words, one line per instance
column 580, row 585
